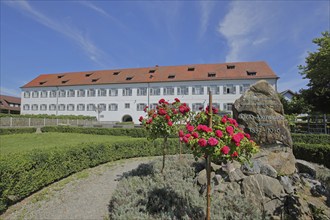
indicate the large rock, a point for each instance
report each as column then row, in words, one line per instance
column 260, row 112
column 305, row 167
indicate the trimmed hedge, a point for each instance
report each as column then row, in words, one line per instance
column 17, row 130
column 48, row 116
column 317, row 153
column 23, row 174
column 132, row 132
column 311, row 138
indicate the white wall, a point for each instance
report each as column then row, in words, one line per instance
column 132, row 100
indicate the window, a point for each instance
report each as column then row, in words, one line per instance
column 88, row 74
column 61, row 107
column 154, row 91
column 43, row 107
column 113, row 107
column 81, row 107
column 26, row 94
column 229, row 89
column 102, row 107
column 95, row 80
column 113, row 92
column 60, row 76
column 141, row 91
column 116, row 73
column 129, row 78
column 62, row 93
column 191, row 68
column 212, row 74
column 251, row 73
column 171, row 76
column 71, row 93
column 183, row 90
column 102, row 92
column 35, row 94
column 230, row 67
column 65, row 81
column 26, row 107
column 153, row 106
column 43, row 94
column 168, row 90
column 70, row 107
column 90, row 107
column 197, row 106
column 52, row 94
column 127, row 92
column 152, row 70
column 34, row 107
column 243, row 88
column 91, row 92
column 43, row 82
column 214, row 89
column 198, row 90
column 52, row 107
column 81, row 93
column 127, row 105
column 227, row 106
column 141, row 106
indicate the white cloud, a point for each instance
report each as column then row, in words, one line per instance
column 10, row 92
column 94, row 7
column 205, row 10
column 243, row 26
column 91, row 50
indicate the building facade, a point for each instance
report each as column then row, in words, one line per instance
column 122, row 95
column 10, row 104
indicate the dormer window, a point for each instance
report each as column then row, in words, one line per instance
column 116, row 73
column 172, row 76
column 230, row 67
column 64, row 81
column 152, row 71
column 88, row 74
column 60, row 76
column 95, row 80
column 41, row 83
column 212, row 74
column 251, row 73
column 129, row 78
column 191, row 68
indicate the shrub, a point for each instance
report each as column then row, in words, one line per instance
column 144, row 193
column 16, row 130
column 49, row 116
column 133, row 132
column 24, row 173
column 318, row 153
column 311, row 138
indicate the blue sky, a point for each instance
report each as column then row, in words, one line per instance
column 40, row 37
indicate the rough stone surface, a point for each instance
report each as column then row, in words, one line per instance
column 305, row 167
column 287, row 184
column 268, row 170
column 201, row 177
column 236, row 175
column 260, row 112
column 250, row 169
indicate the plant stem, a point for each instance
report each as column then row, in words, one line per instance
column 208, row 166
column 164, row 153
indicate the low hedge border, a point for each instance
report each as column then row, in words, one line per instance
column 311, row 138
column 4, row 131
column 2, row 115
column 23, row 174
column 132, row 132
column 317, row 153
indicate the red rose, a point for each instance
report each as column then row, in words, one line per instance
column 212, row 141
column 181, row 134
column 195, row 135
column 188, row 135
column 185, row 139
column 219, row 133
column 177, row 100
column 225, row 149
column 170, row 123
column 235, row 154
column 224, row 119
column 247, row 136
column 161, row 101
column 202, row 142
column 230, row 130
column 190, row 128
column 149, row 121
column 141, row 119
column 162, row 111
column 167, row 117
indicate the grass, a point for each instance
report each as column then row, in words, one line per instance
column 18, row 143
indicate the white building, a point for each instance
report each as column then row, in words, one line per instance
column 122, row 94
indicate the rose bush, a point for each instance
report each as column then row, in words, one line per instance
column 224, row 141
column 164, row 120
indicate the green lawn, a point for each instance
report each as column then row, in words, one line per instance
column 25, row 142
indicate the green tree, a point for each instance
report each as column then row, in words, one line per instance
column 317, row 70
column 298, row 105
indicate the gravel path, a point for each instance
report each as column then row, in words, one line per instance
column 84, row 195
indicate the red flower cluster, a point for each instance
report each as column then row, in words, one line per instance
column 204, row 128
column 184, row 108
column 214, row 110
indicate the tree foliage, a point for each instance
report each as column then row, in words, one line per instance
column 298, row 105
column 317, row 70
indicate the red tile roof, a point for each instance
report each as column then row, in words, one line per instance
column 195, row 72
column 6, row 100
